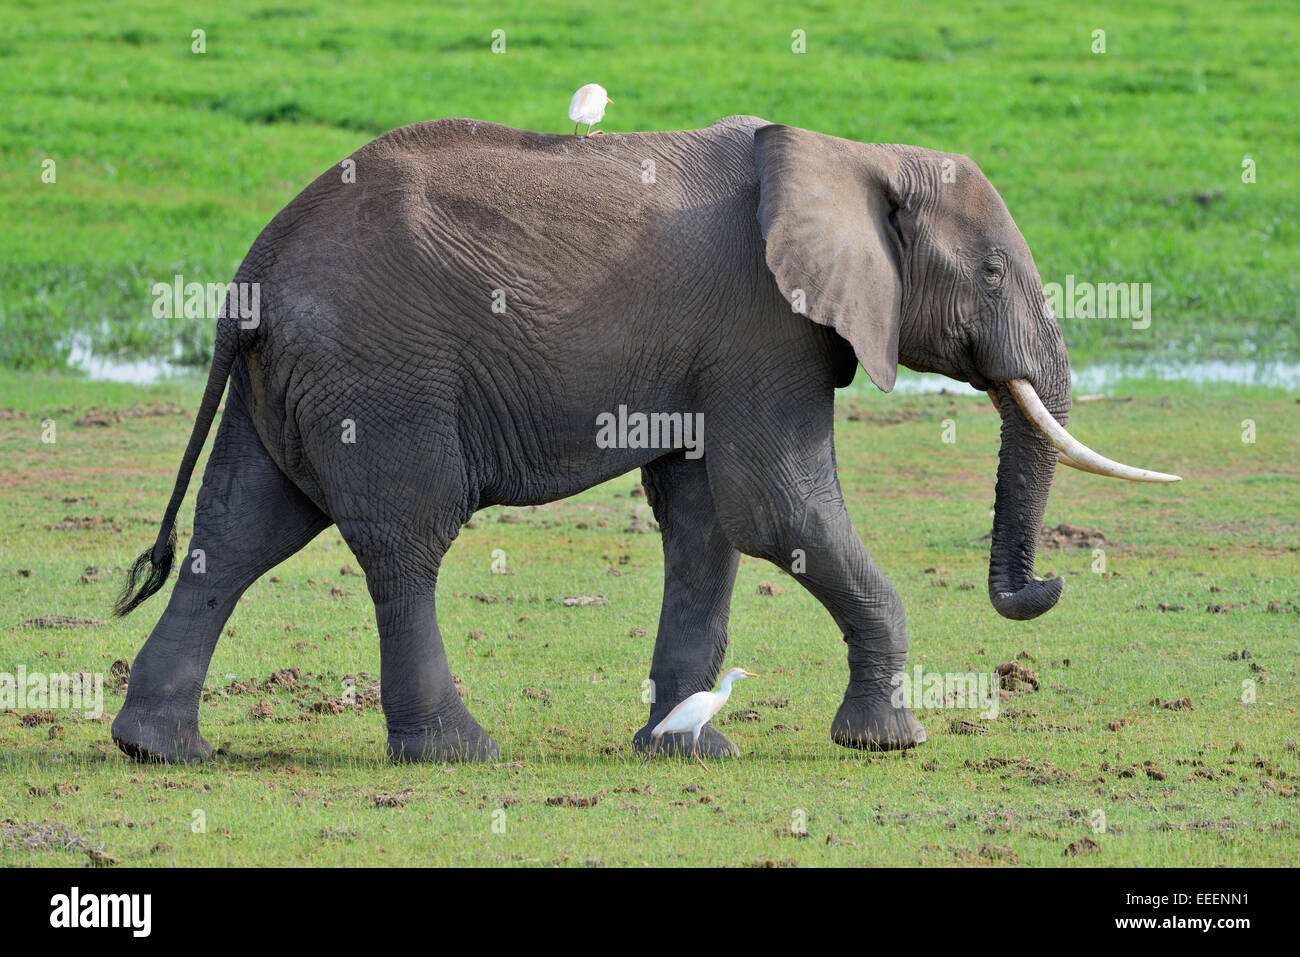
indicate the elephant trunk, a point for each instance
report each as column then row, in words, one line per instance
column 1026, row 464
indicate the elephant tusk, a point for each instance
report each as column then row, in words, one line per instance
column 1064, row 458
column 1073, row 452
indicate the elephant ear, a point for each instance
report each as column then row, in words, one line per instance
column 825, row 207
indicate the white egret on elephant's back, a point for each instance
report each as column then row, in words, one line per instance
column 694, row 713
column 588, row 106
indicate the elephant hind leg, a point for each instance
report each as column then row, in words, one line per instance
column 426, row 718
column 249, row 517
column 399, row 490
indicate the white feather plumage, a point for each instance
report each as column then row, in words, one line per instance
column 588, row 106
column 694, row 713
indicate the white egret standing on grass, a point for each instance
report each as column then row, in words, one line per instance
column 694, row 713
column 588, row 106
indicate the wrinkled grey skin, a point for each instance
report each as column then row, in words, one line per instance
column 743, row 283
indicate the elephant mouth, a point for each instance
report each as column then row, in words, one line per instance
column 1072, row 452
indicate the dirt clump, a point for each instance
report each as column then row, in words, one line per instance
column 52, row 835
column 1016, row 678
column 286, row 678
column 1066, row 535
column 1085, row 845
column 572, row 800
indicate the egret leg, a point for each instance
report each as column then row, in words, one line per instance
column 575, row 128
column 699, row 759
column 591, row 132
column 694, row 743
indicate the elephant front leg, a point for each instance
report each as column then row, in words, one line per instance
column 870, row 716
column 427, row 720
column 794, row 516
column 846, row 580
column 699, row 571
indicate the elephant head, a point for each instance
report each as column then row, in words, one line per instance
column 911, row 256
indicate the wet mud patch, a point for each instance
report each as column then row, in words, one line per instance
column 72, row 523
column 62, row 621
column 97, row 417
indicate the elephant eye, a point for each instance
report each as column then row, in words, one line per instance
column 994, row 269
column 898, row 230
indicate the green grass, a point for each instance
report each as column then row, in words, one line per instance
column 1119, row 167
column 301, row 786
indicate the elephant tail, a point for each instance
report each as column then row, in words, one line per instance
column 152, row 569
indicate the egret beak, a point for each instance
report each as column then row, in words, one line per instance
column 749, row 674
column 609, row 99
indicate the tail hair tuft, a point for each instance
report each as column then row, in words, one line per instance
column 149, row 573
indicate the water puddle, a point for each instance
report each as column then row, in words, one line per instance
column 1101, row 377
column 108, row 368
column 1106, row 377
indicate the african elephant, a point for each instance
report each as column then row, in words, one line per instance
column 475, row 298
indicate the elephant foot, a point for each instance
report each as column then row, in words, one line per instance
column 462, row 741
column 160, row 737
column 875, row 724
column 713, row 743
